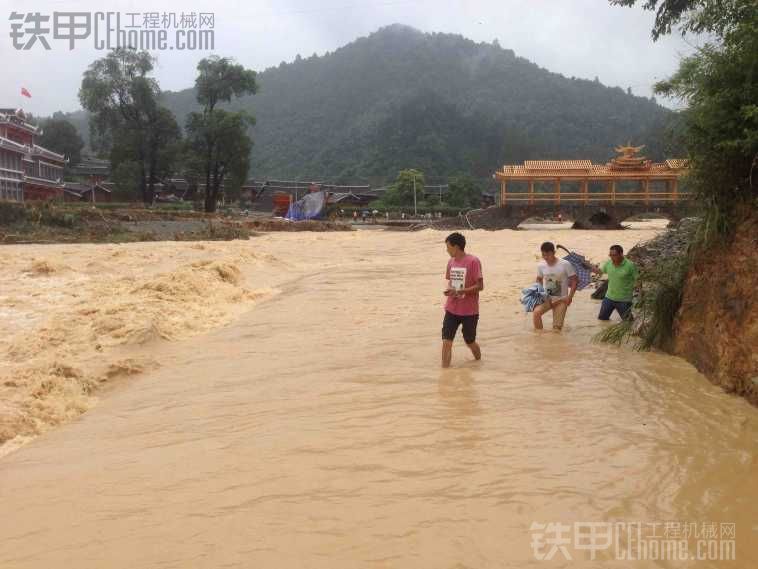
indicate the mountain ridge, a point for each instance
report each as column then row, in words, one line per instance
column 439, row 102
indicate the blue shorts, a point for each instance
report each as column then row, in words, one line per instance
column 608, row 306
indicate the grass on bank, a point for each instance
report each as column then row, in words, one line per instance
column 53, row 222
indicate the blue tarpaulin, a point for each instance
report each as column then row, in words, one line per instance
column 583, row 273
column 311, row 206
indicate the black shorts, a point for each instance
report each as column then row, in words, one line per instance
column 452, row 321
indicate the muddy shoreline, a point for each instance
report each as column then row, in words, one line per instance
column 51, row 223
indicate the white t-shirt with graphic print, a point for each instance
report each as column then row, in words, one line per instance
column 555, row 278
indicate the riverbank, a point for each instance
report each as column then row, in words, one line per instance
column 60, row 223
column 716, row 328
column 705, row 313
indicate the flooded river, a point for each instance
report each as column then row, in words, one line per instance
column 279, row 403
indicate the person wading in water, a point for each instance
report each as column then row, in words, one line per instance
column 464, row 281
column 622, row 276
column 559, row 279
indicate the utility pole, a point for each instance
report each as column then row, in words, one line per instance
column 415, row 211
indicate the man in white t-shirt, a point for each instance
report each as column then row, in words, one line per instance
column 559, row 279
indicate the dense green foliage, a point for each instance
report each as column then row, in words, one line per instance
column 719, row 17
column 440, row 103
column 719, row 85
column 218, row 144
column 407, row 189
column 464, row 192
column 128, row 123
column 221, row 141
column 61, row 136
column 719, row 128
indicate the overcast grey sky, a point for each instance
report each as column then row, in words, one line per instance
column 583, row 38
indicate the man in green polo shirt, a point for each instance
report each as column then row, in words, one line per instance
column 622, row 274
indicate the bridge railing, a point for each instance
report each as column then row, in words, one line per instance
column 592, row 197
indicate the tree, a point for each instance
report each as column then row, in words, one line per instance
column 221, row 138
column 219, row 79
column 127, row 119
column 402, row 191
column 126, row 176
column 464, row 192
column 59, row 135
column 718, row 17
column 192, row 169
column 719, row 127
column 160, row 145
column 719, row 84
column 164, row 144
column 218, row 138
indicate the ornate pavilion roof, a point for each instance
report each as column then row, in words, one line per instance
column 628, row 164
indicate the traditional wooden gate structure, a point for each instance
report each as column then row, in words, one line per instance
column 589, row 207
column 628, row 166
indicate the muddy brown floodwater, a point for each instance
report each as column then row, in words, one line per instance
column 279, row 403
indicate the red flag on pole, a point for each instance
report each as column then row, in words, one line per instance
column 25, row 92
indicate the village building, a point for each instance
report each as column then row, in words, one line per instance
column 78, row 192
column 277, row 195
column 96, row 170
column 11, row 169
column 27, row 171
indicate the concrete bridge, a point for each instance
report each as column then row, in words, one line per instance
column 585, row 214
column 590, row 215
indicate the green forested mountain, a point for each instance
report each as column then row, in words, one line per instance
column 441, row 103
